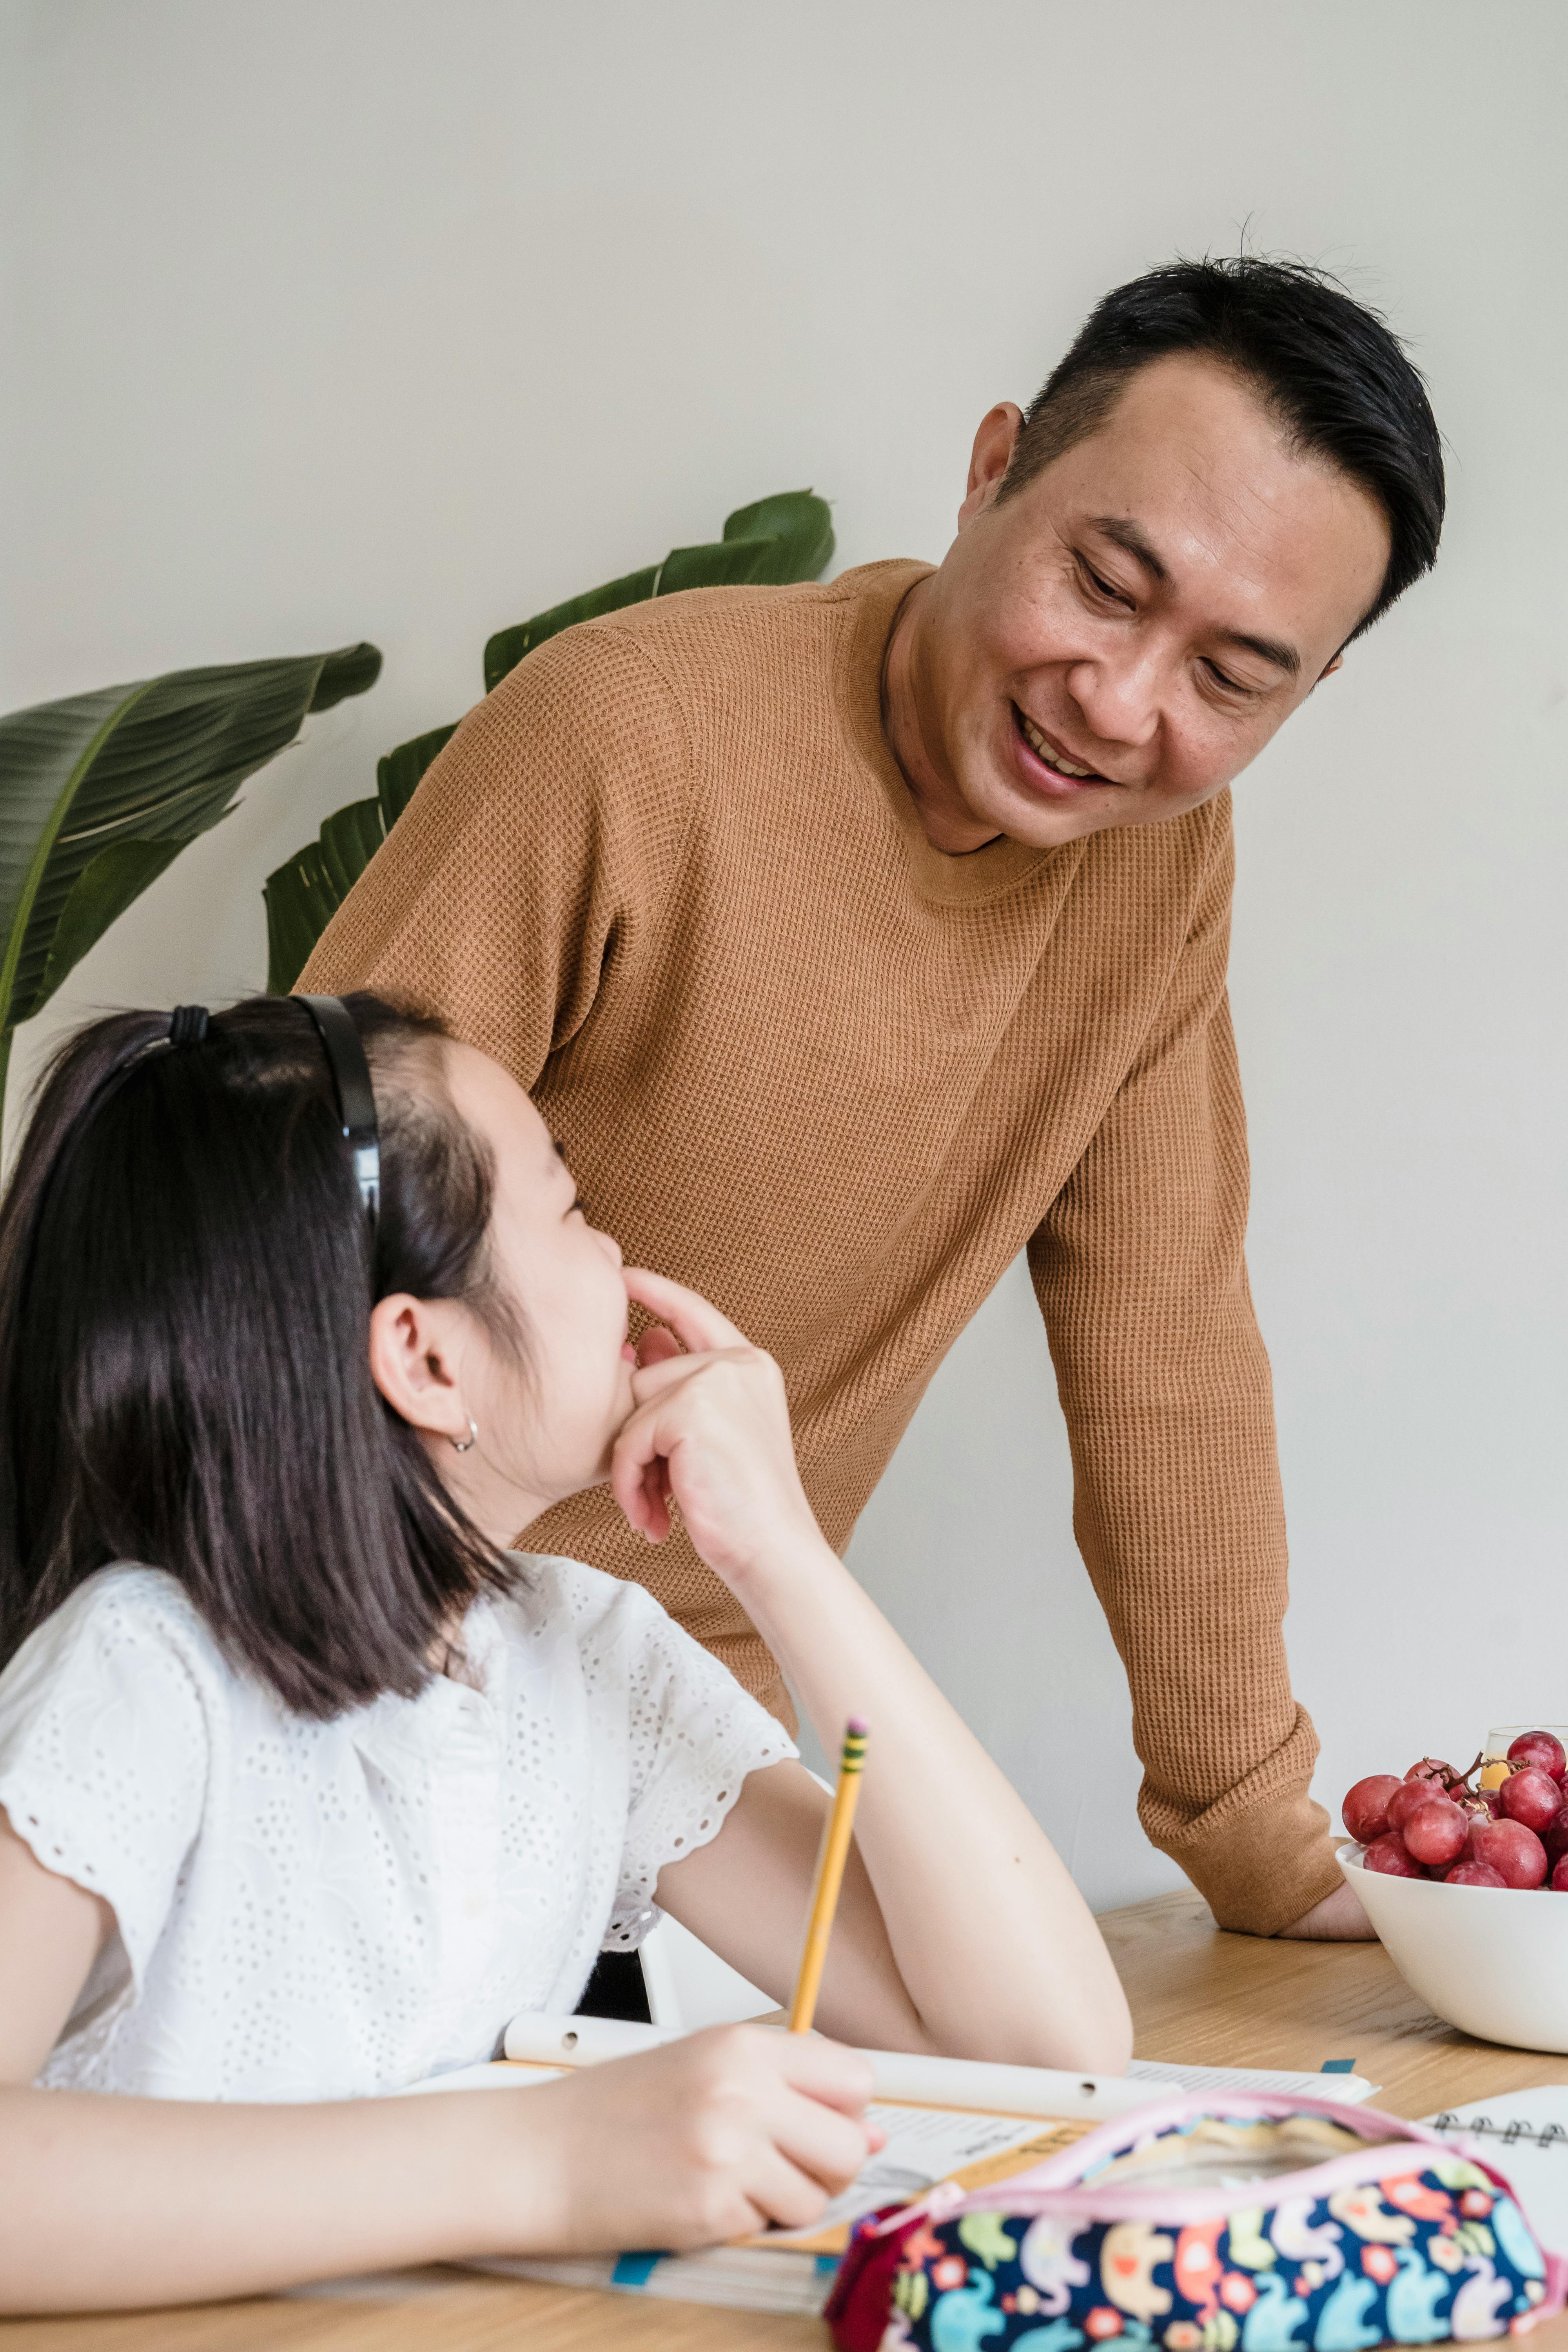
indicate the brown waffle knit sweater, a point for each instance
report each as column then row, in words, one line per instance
column 670, row 875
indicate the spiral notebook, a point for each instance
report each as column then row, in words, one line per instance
column 1525, row 2134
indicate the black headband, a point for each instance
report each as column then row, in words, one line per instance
column 357, row 1095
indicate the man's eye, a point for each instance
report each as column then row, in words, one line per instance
column 1231, row 685
column 1102, row 587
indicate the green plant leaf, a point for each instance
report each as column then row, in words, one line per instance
column 508, row 646
column 305, row 892
column 399, row 772
column 99, row 897
column 299, row 902
column 781, row 539
column 100, row 791
column 799, row 523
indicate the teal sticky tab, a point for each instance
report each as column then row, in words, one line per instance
column 634, row 2270
column 827, row 2265
column 1337, row 2067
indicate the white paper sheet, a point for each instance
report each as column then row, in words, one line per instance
column 1161, row 2075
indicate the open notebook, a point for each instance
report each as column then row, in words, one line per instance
column 946, row 2119
column 1525, row 2134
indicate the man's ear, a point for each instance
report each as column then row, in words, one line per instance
column 1328, row 668
column 414, row 1345
column 991, row 455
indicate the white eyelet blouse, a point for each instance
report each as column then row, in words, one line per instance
column 323, row 1910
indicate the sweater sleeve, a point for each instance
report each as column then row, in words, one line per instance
column 1141, row 1274
column 532, row 859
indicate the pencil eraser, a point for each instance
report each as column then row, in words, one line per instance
column 857, row 1728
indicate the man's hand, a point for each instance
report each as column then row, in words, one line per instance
column 1337, row 1919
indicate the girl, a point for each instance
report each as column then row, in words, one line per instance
column 309, row 1785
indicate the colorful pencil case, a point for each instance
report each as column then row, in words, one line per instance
column 1255, row 2225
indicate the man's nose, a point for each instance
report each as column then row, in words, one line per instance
column 1120, row 697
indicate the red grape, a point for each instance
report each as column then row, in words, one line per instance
column 1559, row 1875
column 1531, row 1797
column 1406, row 1796
column 1390, row 1854
column 1365, row 1808
column 1511, row 1848
column 1432, row 1768
column 1540, row 1748
column 1475, row 1873
column 1436, row 1831
column 1555, row 1836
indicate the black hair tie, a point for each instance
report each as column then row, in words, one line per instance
column 188, row 1024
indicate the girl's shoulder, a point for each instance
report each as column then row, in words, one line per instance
column 551, row 1592
column 633, row 1658
column 126, row 1655
column 121, row 1614
column 111, row 1713
column 616, row 1628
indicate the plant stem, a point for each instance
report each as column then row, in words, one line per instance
column 5, row 1037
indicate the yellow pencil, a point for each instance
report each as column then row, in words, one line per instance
column 829, row 1876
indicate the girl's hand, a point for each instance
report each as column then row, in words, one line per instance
column 706, row 2139
column 712, row 1428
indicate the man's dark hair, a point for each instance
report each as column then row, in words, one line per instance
column 187, row 1272
column 1333, row 373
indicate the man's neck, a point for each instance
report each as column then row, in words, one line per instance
column 945, row 818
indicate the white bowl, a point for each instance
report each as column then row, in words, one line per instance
column 1493, row 1960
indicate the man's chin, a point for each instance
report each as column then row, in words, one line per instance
column 1013, row 814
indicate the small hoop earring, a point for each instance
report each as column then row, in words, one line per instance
column 463, row 1445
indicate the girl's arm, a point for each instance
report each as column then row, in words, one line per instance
column 111, row 2203
column 959, row 1931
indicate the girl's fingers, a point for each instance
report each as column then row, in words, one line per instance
column 671, row 1371
column 695, row 1320
column 828, row 2146
column 638, row 1475
column 828, row 2070
column 792, row 2198
column 657, row 1346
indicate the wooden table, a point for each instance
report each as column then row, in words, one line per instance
column 1211, row 1998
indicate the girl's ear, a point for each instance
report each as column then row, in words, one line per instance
column 414, row 1345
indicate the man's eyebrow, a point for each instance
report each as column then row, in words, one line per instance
column 1268, row 649
column 1128, row 536
column 1130, row 539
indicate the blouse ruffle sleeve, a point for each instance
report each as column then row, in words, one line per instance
column 694, row 1735
column 104, row 1748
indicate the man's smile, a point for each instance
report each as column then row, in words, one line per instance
column 1045, row 759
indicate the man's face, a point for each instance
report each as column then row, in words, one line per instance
column 1149, row 609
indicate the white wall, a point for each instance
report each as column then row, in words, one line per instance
column 342, row 318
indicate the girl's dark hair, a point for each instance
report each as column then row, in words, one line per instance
column 186, row 1269
column 1337, row 376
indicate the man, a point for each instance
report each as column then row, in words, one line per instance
column 854, row 937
